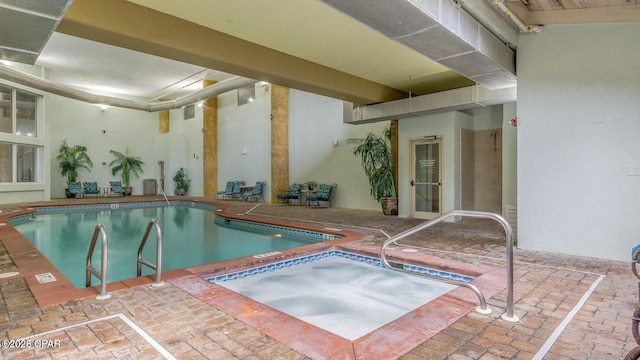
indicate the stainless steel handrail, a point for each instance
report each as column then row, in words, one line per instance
column 509, row 315
column 102, row 275
column 163, row 194
column 158, row 265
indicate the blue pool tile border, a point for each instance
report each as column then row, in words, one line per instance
column 21, row 219
column 118, row 206
column 261, row 228
column 344, row 254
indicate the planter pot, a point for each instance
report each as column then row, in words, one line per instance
column 182, row 192
column 68, row 194
column 389, row 205
column 127, row 190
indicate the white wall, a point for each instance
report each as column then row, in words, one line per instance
column 100, row 131
column 578, row 128
column 444, row 125
column 314, row 121
column 182, row 147
column 244, row 139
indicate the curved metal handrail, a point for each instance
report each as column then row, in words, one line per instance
column 158, row 265
column 509, row 315
column 102, row 275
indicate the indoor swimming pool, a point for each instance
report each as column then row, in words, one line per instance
column 192, row 235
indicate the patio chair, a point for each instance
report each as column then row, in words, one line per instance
column 293, row 193
column 237, row 189
column 256, row 194
column 116, row 187
column 91, row 188
column 323, row 194
column 228, row 191
column 75, row 187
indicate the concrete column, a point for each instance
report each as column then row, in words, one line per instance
column 163, row 121
column 210, row 144
column 279, row 140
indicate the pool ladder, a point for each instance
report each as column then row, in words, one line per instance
column 158, row 265
column 102, row 274
column 482, row 308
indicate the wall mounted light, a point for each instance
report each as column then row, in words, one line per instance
column 244, row 151
column 103, row 107
column 335, row 141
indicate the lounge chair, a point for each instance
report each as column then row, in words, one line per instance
column 293, row 193
column 91, row 188
column 256, row 194
column 237, row 189
column 116, row 187
column 228, row 191
column 232, row 191
column 75, row 187
column 322, row 195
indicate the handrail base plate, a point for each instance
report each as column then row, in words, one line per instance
column 482, row 311
column 513, row 318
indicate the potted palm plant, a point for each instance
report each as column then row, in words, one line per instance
column 71, row 159
column 375, row 155
column 182, row 183
column 128, row 164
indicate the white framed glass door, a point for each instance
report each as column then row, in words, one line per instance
column 426, row 178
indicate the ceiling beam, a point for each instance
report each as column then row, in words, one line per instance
column 127, row 25
column 586, row 15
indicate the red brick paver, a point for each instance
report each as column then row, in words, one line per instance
column 548, row 289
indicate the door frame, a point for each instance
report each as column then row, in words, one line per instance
column 412, row 175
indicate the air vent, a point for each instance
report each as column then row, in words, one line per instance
column 26, row 27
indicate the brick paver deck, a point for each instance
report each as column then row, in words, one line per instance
column 569, row 307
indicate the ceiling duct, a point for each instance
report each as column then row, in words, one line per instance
column 442, row 31
column 68, row 92
column 26, row 27
column 451, row 100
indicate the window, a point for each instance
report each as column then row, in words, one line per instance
column 19, row 159
column 26, row 157
column 6, row 122
column 25, row 114
column 19, row 116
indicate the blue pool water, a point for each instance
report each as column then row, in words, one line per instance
column 190, row 235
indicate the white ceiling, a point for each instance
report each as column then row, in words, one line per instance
column 305, row 29
column 109, row 70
